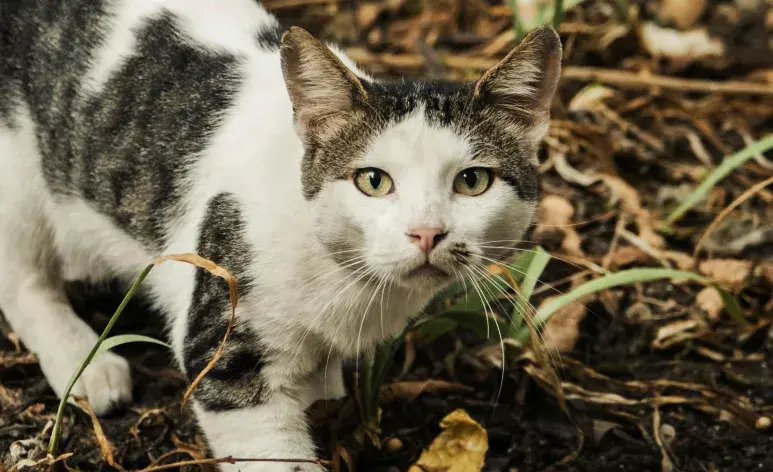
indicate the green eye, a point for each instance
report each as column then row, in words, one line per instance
column 473, row 181
column 373, row 182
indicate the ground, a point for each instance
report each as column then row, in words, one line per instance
column 652, row 376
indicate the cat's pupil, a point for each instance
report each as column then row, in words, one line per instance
column 470, row 178
column 375, row 179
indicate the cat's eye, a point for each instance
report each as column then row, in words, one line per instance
column 373, row 182
column 473, row 181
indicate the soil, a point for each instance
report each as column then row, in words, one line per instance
column 653, row 380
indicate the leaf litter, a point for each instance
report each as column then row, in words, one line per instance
column 654, row 373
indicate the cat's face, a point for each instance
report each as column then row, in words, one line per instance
column 421, row 183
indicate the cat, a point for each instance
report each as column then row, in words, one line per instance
column 342, row 203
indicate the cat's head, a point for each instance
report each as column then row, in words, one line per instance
column 421, row 182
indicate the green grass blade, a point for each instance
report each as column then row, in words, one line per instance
column 720, row 173
column 115, row 341
column 626, row 277
column 558, row 14
column 56, row 433
column 539, row 260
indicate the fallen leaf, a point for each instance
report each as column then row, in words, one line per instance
column 682, row 260
column 630, row 202
column 563, row 328
column 682, row 46
column 592, row 97
column 105, row 447
column 461, row 447
column 710, row 301
column 682, row 13
column 409, row 390
column 626, row 255
column 731, row 272
column 601, row 428
column 766, row 272
column 677, row 332
column 556, row 212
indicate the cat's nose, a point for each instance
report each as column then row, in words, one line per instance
column 427, row 238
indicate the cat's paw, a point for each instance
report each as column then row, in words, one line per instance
column 106, row 382
column 271, row 467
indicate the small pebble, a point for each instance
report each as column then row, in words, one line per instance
column 393, row 445
column 763, row 423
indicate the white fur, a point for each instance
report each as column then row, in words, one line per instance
column 303, row 305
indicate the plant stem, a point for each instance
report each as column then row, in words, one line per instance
column 56, row 433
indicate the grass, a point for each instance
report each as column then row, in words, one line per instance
column 104, row 343
column 458, row 308
column 729, row 164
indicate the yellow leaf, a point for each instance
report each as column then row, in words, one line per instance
column 461, row 447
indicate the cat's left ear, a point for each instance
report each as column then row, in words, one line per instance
column 520, row 88
column 323, row 91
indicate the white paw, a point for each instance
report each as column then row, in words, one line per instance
column 271, row 467
column 106, row 382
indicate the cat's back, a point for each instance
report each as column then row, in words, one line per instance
column 126, row 97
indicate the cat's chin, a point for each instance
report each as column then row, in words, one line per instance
column 425, row 277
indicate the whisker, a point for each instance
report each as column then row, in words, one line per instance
column 501, row 344
column 588, row 265
column 527, row 318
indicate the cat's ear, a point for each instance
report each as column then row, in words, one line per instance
column 323, row 91
column 521, row 86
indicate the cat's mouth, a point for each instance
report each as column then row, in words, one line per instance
column 427, row 270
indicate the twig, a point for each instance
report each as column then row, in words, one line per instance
column 231, row 460
column 722, row 214
column 620, row 78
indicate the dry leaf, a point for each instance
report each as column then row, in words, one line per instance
column 591, row 97
column 557, row 212
column 677, row 332
column 765, row 271
column 731, row 272
column 630, row 202
column 710, row 301
column 409, row 390
column 563, row 328
column 105, row 447
column 683, row 13
column 626, row 255
column 461, row 447
column 683, row 46
column 682, row 260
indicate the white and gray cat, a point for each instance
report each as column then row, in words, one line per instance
column 133, row 128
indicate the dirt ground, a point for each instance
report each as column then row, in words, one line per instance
column 651, row 377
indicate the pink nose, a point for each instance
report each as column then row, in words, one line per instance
column 426, row 238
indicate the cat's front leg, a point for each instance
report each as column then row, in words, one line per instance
column 273, row 430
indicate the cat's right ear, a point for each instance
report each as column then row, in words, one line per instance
column 323, row 91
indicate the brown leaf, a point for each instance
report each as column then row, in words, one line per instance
column 461, row 447
column 731, row 272
column 682, row 13
column 557, row 212
column 630, row 202
column 563, row 328
column 677, row 332
column 105, row 447
column 710, row 301
column 409, row 390
column 685, row 47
